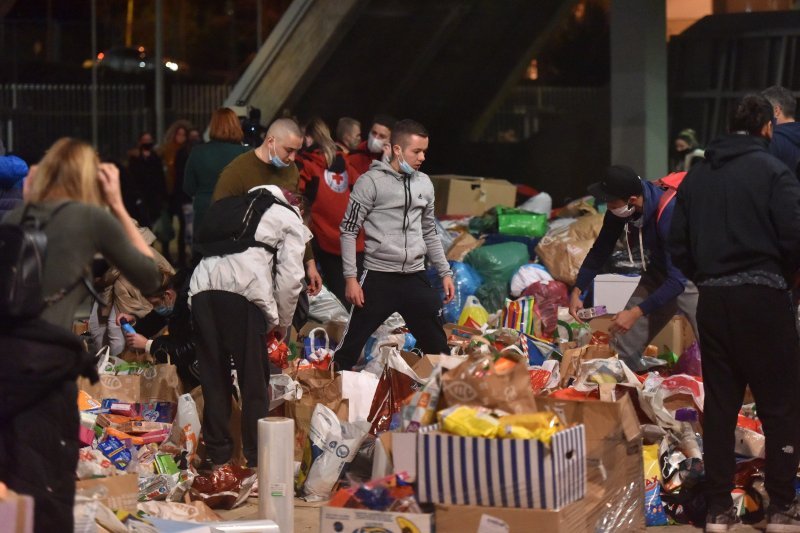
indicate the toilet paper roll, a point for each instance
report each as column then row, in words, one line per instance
column 276, row 471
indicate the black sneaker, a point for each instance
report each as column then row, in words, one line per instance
column 722, row 522
column 784, row 521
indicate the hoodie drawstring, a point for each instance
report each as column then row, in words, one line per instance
column 641, row 247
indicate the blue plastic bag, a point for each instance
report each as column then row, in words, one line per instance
column 466, row 280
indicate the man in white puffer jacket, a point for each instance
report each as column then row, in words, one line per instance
column 236, row 300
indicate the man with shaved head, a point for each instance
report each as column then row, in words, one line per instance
column 272, row 163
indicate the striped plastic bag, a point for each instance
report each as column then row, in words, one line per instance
column 519, row 315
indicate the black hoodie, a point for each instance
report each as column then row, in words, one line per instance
column 785, row 143
column 737, row 211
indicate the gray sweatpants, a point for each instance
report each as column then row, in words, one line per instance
column 631, row 344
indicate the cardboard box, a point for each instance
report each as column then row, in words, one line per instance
column 338, row 519
column 614, row 291
column 471, row 519
column 115, row 492
column 502, row 472
column 678, row 335
column 466, row 195
column 614, row 498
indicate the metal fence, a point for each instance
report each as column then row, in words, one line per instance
column 32, row 116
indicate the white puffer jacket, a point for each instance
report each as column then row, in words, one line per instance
column 250, row 273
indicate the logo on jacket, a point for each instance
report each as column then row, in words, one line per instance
column 337, row 182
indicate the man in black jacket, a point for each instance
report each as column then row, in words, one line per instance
column 736, row 233
column 170, row 310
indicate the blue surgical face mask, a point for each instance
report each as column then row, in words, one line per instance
column 276, row 161
column 405, row 168
column 163, row 310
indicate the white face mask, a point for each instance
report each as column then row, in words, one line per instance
column 374, row 144
column 625, row 211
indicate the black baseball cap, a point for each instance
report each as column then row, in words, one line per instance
column 619, row 182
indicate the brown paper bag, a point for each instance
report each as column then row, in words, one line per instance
column 462, row 245
column 571, row 359
column 563, row 252
column 476, row 382
column 158, row 383
column 319, row 386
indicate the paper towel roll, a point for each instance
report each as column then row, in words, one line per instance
column 276, row 471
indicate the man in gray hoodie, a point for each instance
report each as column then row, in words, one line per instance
column 394, row 204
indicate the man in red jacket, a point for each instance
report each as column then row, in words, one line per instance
column 376, row 146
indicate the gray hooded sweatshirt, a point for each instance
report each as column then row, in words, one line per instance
column 396, row 212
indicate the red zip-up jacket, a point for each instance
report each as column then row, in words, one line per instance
column 328, row 192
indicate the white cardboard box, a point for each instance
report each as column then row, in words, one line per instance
column 515, row 473
column 342, row 520
column 614, row 291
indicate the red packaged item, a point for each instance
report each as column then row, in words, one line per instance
column 225, row 487
column 278, row 351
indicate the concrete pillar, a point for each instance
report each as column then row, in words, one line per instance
column 639, row 136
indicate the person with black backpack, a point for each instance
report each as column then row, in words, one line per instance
column 246, row 286
column 48, row 245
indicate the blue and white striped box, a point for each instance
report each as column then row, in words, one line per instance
column 502, row 472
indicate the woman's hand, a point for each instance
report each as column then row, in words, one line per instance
column 108, row 176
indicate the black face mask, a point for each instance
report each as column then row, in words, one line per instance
column 147, row 146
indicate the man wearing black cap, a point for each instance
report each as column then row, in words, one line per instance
column 642, row 211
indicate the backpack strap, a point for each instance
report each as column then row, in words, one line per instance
column 665, row 199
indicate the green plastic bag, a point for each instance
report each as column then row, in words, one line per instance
column 521, row 223
column 498, row 262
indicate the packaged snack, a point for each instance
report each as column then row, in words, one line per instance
column 116, row 452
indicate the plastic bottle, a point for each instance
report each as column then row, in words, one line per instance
column 126, row 326
column 691, row 441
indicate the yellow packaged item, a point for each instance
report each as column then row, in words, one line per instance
column 473, row 314
column 468, row 422
column 540, row 426
column 86, row 402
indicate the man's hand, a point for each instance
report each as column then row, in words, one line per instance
column 449, row 289
column 135, row 341
column 314, row 279
column 575, row 304
column 353, row 292
column 130, row 318
column 624, row 320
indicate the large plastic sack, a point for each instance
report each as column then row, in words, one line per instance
column 185, row 431
column 526, row 275
column 492, row 295
column 445, row 236
column 467, row 281
column 499, row 238
column 474, row 314
column 541, row 203
column 325, row 307
column 486, row 223
column 331, row 445
column 562, row 251
column 523, row 223
column 497, row 263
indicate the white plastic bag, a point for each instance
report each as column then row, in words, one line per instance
column 325, row 307
column 541, row 203
column 185, row 432
column 526, row 276
column 330, row 446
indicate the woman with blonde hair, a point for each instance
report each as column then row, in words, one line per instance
column 77, row 203
column 326, row 179
column 206, row 161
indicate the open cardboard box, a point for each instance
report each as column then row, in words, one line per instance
column 677, row 334
column 614, row 498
